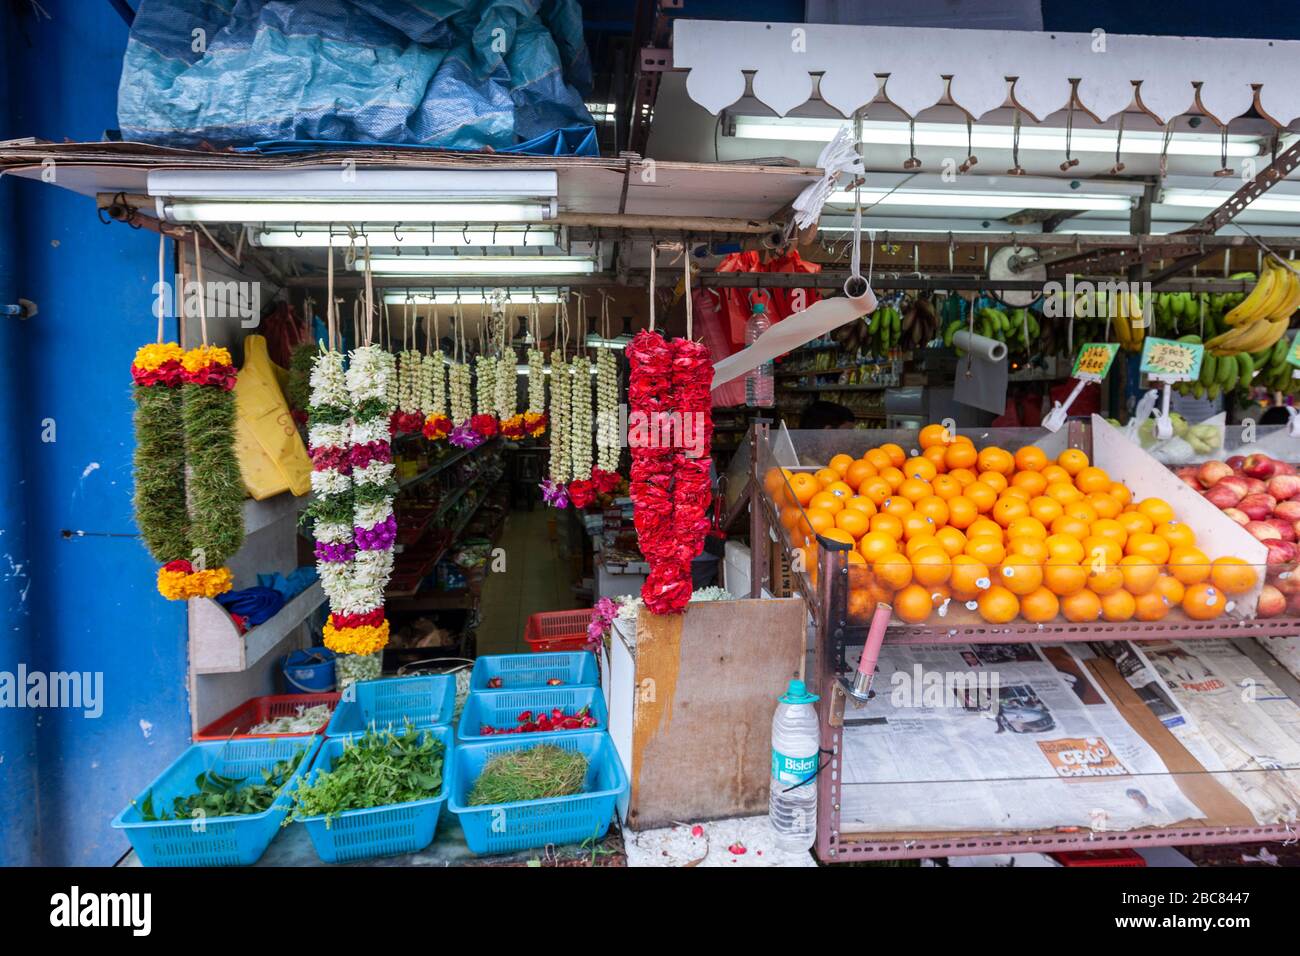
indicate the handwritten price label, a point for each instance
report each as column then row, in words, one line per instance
column 1171, row 361
column 1094, row 360
column 1293, row 355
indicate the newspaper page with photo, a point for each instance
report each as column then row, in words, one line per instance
column 1245, row 717
column 1286, row 650
column 995, row 736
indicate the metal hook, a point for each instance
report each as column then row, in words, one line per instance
column 298, row 231
column 397, row 237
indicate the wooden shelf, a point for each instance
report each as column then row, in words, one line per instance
column 269, row 511
column 217, row 647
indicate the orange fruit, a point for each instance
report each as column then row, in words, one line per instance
column 983, row 496
column 920, row 542
column 1118, row 606
column 1178, row 535
column 893, row 571
column 963, row 475
column 1065, row 547
column 1151, row 606
column 1104, row 504
column 932, row 435
column 1072, row 527
column 922, row 468
column 936, row 456
column 1170, row 588
column 818, row 521
column 996, row 459
column 878, row 459
column 984, row 527
column 1152, row 547
column 931, row 565
column 1140, row 573
column 1203, row 602
column 1101, row 551
column 995, row 480
column 774, row 481
column 1232, row 575
column 1045, row 509
column 960, row 455
column 1055, row 473
column 1119, row 491
column 1081, row 607
column 968, row 577
column 961, row 512
column 1035, row 548
column 1092, row 479
column 1110, row 528
column 888, row 524
column 1104, row 581
column 1020, row 574
column 893, row 476
column 1083, row 510
column 896, row 454
column 804, row 486
column 914, row 489
column 1031, row 458
column 824, row 499
column 854, row 522
column 951, row 540
column 896, row 505
column 1134, row 522
column 839, row 534
column 1157, row 509
column 1072, row 460
column 1063, row 491
column 934, row 508
column 1026, row 526
column 1015, row 491
column 946, row 487
column 1189, row 565
column 986, row 549
column 1063, row 577
column 855, row 558
column 1007, row 510
column 1039, row 606
column 858, row 472
column 997, row 605
column 913, row 604
column 861, row 503
column 1030, row 481
column 876, row 544
column 826, row 476
column 840, row 489
column 916, row 523
column 840, row 464
column 877, row 489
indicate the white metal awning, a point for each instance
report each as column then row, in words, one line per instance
column 982, row 70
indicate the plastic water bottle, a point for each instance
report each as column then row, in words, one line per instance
column 759, row 382
column 795, row 742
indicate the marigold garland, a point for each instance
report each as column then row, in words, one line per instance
column 178, row 581
column 365, row 639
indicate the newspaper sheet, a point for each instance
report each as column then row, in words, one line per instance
column 1286, row 650
column 1252, row 726
column 997, row 736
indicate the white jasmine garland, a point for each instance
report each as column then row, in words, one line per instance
column 330, row 482
column 333, row 532
column 580, row 419
column 329, row 390
column 536, row 382
column 607, row 439
column 368, row 515
column 327, row 436
column 460, row 393
column 484, row 387
column 370, row 374
column 507, row 389
column 560, row 391
column 435, row 393
column 328, row 381
column 375, row 473
column 410, row 372
column 372, row 429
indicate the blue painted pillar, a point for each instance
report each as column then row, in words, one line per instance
column 18, row 822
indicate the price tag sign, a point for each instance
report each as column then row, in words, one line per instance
column 1094, row 360
column 1171, row 361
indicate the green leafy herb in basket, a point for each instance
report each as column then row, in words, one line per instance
column 535, row 773
column 377, row 769
column 222, row 796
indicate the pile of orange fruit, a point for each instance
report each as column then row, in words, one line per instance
column 1010, row 535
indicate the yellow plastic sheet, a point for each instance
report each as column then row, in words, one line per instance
column 272, row 457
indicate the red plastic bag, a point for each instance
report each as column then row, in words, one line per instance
column 712, row 325
column 781, row 303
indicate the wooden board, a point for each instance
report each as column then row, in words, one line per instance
column 707, row 683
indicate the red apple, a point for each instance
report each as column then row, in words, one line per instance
column 1224, row 495
column 1272, row 602
column 1284, row 528
column 1288, row 510
column 1235, row 461
column 1258, row 507
column 1242, row 486
column 1263, row 531
column 1212, row 471
column 1259, row 466
column 1237, row 515
column 1283, row 487
column 1255, row 486
column 1283, row 468
column 1284, row 580
column 1281, row 552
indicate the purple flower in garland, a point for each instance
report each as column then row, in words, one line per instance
column 463, row 436
column 554, row 494
column 378, row 538
column 335, row 553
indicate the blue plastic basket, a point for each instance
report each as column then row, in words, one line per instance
column 500, row 708
column 378, row 831
column 503, row 827
column 425, row 701
column 217, row 841
column 522, row 671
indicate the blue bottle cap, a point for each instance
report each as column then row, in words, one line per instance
column 797, row 693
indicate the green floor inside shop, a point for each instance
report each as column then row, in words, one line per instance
column 536, row 578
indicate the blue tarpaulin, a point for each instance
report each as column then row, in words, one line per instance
column 454, row 74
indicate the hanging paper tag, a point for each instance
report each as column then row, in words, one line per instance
column 1293, row 354
column 1094, row 361
column 1171, row 361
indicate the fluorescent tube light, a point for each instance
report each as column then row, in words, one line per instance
column 352, row 211
column 1212, row 200
column 400, row 235
column 595, row 341
column 957, row 199
column 477, row 265
column 467, row 297
column 1136, row 142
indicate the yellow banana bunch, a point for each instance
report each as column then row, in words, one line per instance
column 1263, row 316
column 1130, row 326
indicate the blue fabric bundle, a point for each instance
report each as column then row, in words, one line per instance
column 255, row 605
column 455, row 74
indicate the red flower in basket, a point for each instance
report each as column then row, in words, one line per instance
column 485, row 425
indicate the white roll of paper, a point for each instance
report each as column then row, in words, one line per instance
column 979, row 345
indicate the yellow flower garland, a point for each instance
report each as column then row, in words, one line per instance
column 355, row 640
column 154, row 355
column 202, row 356
column 181, row 585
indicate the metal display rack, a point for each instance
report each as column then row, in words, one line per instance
column 837, row 630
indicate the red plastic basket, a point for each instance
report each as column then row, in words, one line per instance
column 255, row 710
column 558, row 631
column 1099, row 858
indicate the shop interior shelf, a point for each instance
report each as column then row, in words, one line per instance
column 270, row 511
column 217, row 647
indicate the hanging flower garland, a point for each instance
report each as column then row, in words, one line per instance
column 329, row 439
column 484, row 421
column 581, row 488
column 554, row 488
column 532, row 422
column 608, row 446
column 408, row 419
column 159, row 461
column 433, row 389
